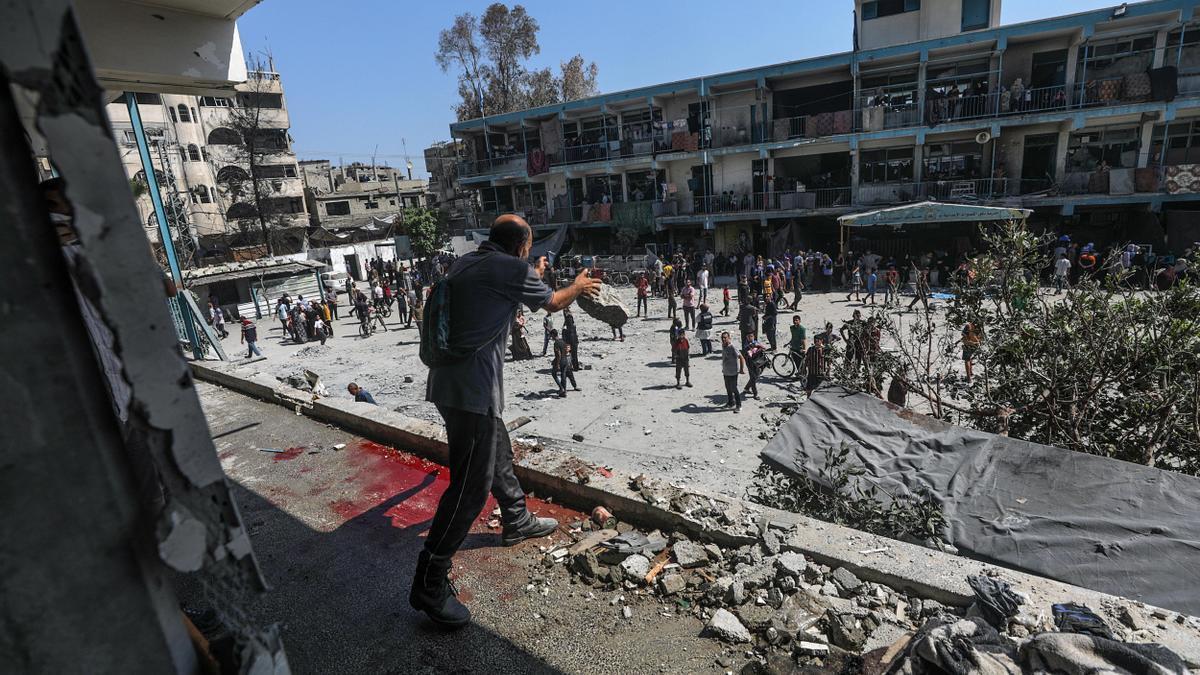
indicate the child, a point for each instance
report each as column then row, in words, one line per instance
column 680, row 354
column 725, row 299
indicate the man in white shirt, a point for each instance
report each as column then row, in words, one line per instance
column 1062, row 267
column 702, row 280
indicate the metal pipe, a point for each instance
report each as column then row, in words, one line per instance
column 164, row 232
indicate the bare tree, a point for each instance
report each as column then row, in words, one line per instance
column 458, row 48
column 489, row 55
column 510, row 39
column 252, row 193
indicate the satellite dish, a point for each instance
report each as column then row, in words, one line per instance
column 982, row 137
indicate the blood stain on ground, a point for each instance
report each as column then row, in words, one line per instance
column 290, row 453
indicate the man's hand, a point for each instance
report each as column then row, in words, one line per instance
column 540, row 266
column 586, row 283
column 562, row 298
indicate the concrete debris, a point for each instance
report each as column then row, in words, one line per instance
column 845, row 631
column 626, row 612
column 812, row 648
column 846, row 582
column 791, row 565
column 725, row 626
column 670, row 584
column 604, row 306
column 635, row 567
column 689, row 555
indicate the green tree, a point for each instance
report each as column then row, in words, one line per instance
column 1108, row 368
column 427, row 231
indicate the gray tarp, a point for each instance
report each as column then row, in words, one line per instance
column 1091, row 521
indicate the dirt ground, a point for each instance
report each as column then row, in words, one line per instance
column 628, row 407
column 337, row 530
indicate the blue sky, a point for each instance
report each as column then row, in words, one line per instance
column 360, row 73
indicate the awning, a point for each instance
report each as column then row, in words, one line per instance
column 932, row 212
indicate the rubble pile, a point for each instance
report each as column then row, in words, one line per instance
column 777, row 611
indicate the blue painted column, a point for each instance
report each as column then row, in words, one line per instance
column 160, row 214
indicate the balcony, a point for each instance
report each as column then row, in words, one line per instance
column 511, row 163
column 734, row 201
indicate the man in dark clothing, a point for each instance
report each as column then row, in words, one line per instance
column 485, row 289
column 571, row 336
column 560, row 367
column 360, row 395
column 747, row 319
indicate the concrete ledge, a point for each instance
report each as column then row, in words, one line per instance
column 918, row 570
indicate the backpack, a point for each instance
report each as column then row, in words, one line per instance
column 436, row 349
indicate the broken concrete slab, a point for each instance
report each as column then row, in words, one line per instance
column 845, row 580
column 670, row 584
column 604, row 306
column 791, row 564
column 725, row 626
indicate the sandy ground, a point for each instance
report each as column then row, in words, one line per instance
column 629, row 413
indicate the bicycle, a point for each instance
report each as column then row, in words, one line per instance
column 383, row 307
column 367, row 328
column 785, row 366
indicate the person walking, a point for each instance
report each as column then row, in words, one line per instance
column 643, row 295
column 571, row 337
column 1062, row 267
column 485, row 287
column 891, row 286
column 560, row 366
column 725, row 299
column 704, row 324
column 218, row 320
column 702, row 282
column 676, row 329
column 872, row 281
column 855, row 284
column 548, row 332
column 747, row 320
column 770, row 321
column 680, row 351
column 282, row 313
column 331, row 300
column 752, row 352
column 732, row 365
column 688, row 295
column 920, row 289
column 672, row 308
column 250, row 338
column 972, row 337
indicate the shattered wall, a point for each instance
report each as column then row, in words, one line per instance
column 97, row 509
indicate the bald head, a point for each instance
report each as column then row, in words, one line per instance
column 511, row 233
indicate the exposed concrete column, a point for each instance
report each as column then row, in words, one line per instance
column 1145, row 143
column 1073, row 62
column 1060, row 153
column 918, row 158
column 854, row 160
column 922, row 71
column 1160, row 46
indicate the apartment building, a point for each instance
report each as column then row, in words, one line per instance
column 358, row 201
column 1088, row 119
column 457, row 204
column 203, row 170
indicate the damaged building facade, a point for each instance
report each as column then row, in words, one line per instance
column 204, row 168
column 1087, row 119
column 357, row 202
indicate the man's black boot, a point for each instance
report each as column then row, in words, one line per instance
column 434, row 594
column 535, row 527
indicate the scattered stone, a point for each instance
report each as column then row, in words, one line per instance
column 635, row 567
column 844, row 631
column 1128, row 616
column 627, row 612
column 586, row 565
column 770, row 542
column 725, row 626
column 791, row 565
column 577, row 437
column 671, row 584
column 408, row 379
column 714, row 552
column 812, row 648
column 737, row 593
column 846, row 582
column 689, row 555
